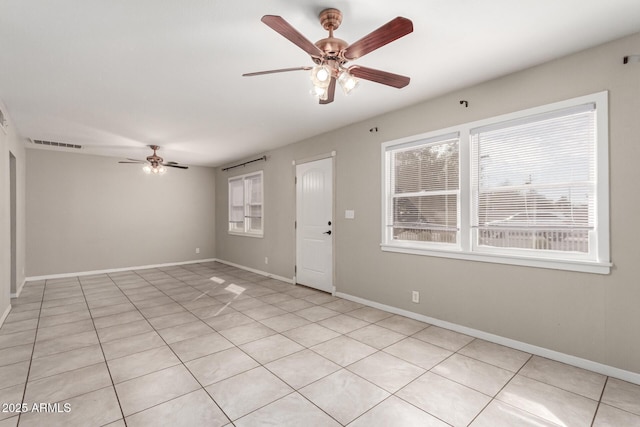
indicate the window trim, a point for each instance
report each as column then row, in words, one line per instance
column 247, row 232
column 438, row 139
column 464, row 250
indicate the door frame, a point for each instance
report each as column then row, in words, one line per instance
column 294, row 163
column 13, row 220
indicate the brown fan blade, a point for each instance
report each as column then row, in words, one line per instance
column 132, row 161
column 279, row 25
column 331, row 91
column 378, row 76
column 281, row 70
column 175, row 166
column 392, row 30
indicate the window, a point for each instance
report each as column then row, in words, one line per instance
column 528, row 188
column 424, row 191
column 245, row 204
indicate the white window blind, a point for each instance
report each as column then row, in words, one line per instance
column 423, row 191
column 254, row 203
column 526, row 188
column 534, row 181
column 245, row 204
column 236, row 205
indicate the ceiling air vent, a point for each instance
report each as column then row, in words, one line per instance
column 55, row 144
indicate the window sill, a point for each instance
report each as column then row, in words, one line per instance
column 256, row 236
column 580, row 266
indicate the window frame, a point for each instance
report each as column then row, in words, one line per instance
column 246, row 202
column 389, row 184
column 467, row 249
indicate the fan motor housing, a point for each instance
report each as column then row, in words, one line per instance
column 330, row 19
column 332, row 46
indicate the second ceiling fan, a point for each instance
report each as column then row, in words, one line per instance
column 154, row 163
column 331, row 54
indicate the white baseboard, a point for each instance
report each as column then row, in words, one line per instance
column 142, row 267
column 4, row 315
column 260, row 272
column 115, row 270
column 632, row 377
column 19, row 290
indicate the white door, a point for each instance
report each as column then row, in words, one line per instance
column 314, row 219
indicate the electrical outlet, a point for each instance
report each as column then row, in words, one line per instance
column 415, row 297
column 266, row 260
column 197, row 250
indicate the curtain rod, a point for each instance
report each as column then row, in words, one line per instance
column 245, row 163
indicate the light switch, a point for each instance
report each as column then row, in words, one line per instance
column 349, row 214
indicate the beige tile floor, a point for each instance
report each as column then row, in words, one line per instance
column 181, row 346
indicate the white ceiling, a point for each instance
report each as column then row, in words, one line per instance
column 118, row 75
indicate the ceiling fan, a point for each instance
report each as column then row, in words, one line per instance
column 331, row 54
column 154, row 163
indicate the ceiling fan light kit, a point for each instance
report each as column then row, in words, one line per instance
column 331, row 54
column 347, row 82
column 154, row 164
column 157, row 169
column 321, row 75
column 320, row 81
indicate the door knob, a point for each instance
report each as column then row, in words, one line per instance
column 327, row 232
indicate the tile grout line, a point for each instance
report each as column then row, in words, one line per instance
column 317, row 322
column 170, row 348
column 341, row 368
column 341, row 334
column 381, row 350
column 180, row 302
column 345, row 368
column 604, row 387
column 491, row 398
column 502, row 388
column 294, row 391
column 240, row 373
column 102, row 350
column 378, row 350
column 430, row 370
column 35, row 337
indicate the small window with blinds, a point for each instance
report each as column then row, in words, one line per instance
column 423, row 184
column 245, row 204
column 527, row 188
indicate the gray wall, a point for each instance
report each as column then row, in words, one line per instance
column 585, row 315
column 10, row 142
column 88, row 213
